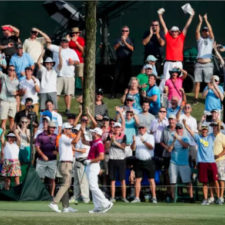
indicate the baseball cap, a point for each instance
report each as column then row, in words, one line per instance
column 214, row 110
column 97, row 130
column 172, row 116
column 64, row 39
column 67, row 125
column 47, row 118
column 75, row 29
column 179, row 125
column 106, row 118
column 204, row 126
column 7, row 28
column 175, row 70
column 174, row 28
column 51, row 124
column 99, row 91
column 216, row 78
column 77, row 127
column 130, row 97
column 47, row 113
column 117, row 124
column 151, row 58
column 142, row 125
column 11, row 135
column 148, row 66
column 205, row 28
column 18, row 46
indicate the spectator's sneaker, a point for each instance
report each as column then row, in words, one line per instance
column 54, row 207
column 73, row 200
column 211, row 200
column 112, row 200
column 222, row 200
column 136, row 200
column 125, row 200
column 154, row 201
column 69, row 210
column 205, row 202
column 106, row 209
column 219, row 201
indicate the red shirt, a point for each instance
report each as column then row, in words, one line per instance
column 97, row 147
column 174, row 47
column 73, row 45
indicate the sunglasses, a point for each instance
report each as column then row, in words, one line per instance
column 179, row 128
column 125, row 30
column 75, row 32
column 11, row 70
column 24, row 121
column 148, row 68
column 141, row 128
column 83, row 120
column 155, row 25
column 162, row 111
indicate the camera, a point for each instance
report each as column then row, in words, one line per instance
column 208, row 118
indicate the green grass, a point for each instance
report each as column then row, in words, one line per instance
column 34, row 213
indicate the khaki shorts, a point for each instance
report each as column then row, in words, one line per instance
column 8, row 109
column 221, row 169
column 46, row 168
column 65, row 85
column 79, row 70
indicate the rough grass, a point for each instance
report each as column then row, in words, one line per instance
column 35, row 213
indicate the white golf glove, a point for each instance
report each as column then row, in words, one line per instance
column 87, row 162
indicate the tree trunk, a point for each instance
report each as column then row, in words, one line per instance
column 90, row 51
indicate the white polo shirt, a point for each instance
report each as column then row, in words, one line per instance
column 142, row 152
column 65, row 148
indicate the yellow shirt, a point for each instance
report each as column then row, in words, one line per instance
column 219, row 145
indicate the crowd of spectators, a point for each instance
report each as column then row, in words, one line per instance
column 153, row 132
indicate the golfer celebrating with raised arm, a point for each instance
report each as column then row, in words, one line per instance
column 96, row 154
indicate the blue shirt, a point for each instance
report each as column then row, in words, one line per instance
column 130, row 130
column 137, row 102
column 172, row 111
column 180, row 155
column 205, row 148
column 154, row 106
column 211, row 100
column 20, row 63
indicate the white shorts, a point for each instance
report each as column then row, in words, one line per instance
column 170, row 65
column 183, row 171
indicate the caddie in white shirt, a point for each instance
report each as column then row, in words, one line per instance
column 66, row 80
column 143, row 144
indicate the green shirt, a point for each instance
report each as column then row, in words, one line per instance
column 143, row 79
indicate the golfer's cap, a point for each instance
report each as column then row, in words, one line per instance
column 97, row 130
column 174, row 28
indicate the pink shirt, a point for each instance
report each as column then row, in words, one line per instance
column 97, row 147
column 172, row 90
